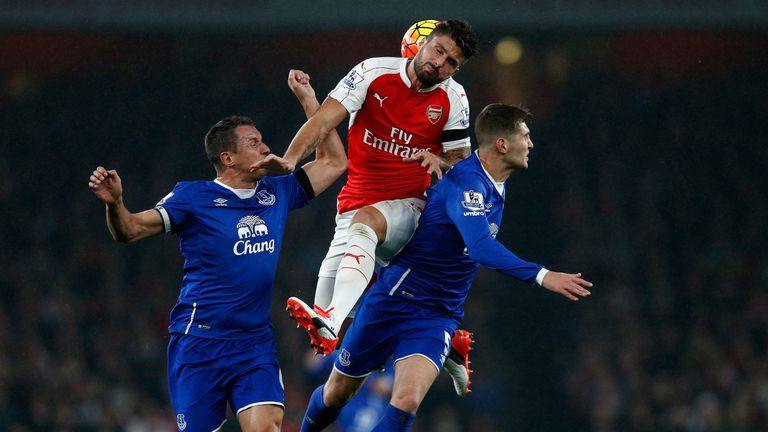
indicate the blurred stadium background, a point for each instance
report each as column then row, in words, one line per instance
column 649, row 176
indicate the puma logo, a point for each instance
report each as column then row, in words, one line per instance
column 381, row 99
column 356, row 257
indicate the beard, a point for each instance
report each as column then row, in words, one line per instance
column 426, row 79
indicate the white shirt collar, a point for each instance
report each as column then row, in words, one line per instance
column 407, row 81
column 499, row 185
column 241, row 193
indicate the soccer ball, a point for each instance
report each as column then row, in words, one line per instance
column 415, row 36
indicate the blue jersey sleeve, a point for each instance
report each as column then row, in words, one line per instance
column 464, row 206
column 175, row 208
column 291, row 186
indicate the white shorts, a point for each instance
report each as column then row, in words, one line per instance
column 402, row 218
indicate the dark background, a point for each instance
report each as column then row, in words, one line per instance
column 648, row 176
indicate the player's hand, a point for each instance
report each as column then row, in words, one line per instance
column 273, row 165
column 298, row 82
column 569, row 285
column 428, row 160
column 106, row 185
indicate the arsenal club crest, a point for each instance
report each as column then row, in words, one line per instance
column 434, row 112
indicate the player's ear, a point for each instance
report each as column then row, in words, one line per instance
column 226, row 159
column 501, row 145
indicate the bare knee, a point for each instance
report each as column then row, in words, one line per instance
column 340, row 389
column 406, row 402
column 263, row 418
column 372, row 218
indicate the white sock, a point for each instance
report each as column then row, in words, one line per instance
column 355, row 271
column 324, row 291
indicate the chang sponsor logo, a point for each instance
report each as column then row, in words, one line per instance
column 248, row 228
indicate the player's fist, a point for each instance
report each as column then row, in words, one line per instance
column 273, row 165
column 106, row 185
column 571, row 286
column 298, row 82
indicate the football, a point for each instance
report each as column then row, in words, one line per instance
column 415, row 36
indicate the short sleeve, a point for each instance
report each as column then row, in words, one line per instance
column 175, row 207
column 456, row 130
column 352, row 89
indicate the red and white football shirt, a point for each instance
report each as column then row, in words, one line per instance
column 389, row 121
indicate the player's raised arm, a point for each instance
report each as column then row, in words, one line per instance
column 319, row 126
column 124, row 226
column 330, row 159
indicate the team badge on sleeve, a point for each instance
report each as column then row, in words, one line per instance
column 352, row 80
column 473, row 201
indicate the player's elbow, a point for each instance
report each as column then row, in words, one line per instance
column 335, row 163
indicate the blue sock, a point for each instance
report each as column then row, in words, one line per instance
column 318, row 416
column 394, row 419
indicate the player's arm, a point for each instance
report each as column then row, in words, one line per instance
column 486, row 250
column 450, row 157
column 315, row 130
column 330, row 159
column 312, row 133
column 124, row 226
column 439, row 164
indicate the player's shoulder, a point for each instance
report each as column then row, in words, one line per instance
column 276, row 181
column 467, row 172
column 381, row 64
column 454, row 89
column 186, row 191
column 192, row 186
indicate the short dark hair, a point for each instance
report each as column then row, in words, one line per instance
column 221, row 137
column 461, row 33
column 499, row 119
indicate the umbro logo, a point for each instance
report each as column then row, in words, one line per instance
column 220, row 202
column 380, row 99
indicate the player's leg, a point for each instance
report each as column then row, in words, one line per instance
column 413, row 378
column 256, row 392
column 326, row 276
column 355, row 270
column 367, row 346
column 358, row 263
column 262, row 418
column 326, row 401
column 196, row 383
column 419, row 357
column 376, row 234
column 313, row 318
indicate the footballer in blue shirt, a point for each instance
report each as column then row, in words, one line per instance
column 416, row 305
column 222, row 350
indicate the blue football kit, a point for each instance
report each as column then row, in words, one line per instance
column 222, row 349
column 417, row 303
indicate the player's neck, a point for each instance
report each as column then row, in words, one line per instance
column 410, row 70
column 236, row 181
column 495, row 167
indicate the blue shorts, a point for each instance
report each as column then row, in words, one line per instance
column 206, row 374
column 387, row 326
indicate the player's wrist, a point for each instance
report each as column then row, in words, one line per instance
column 541, row 275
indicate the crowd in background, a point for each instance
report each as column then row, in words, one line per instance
column 654, row 188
